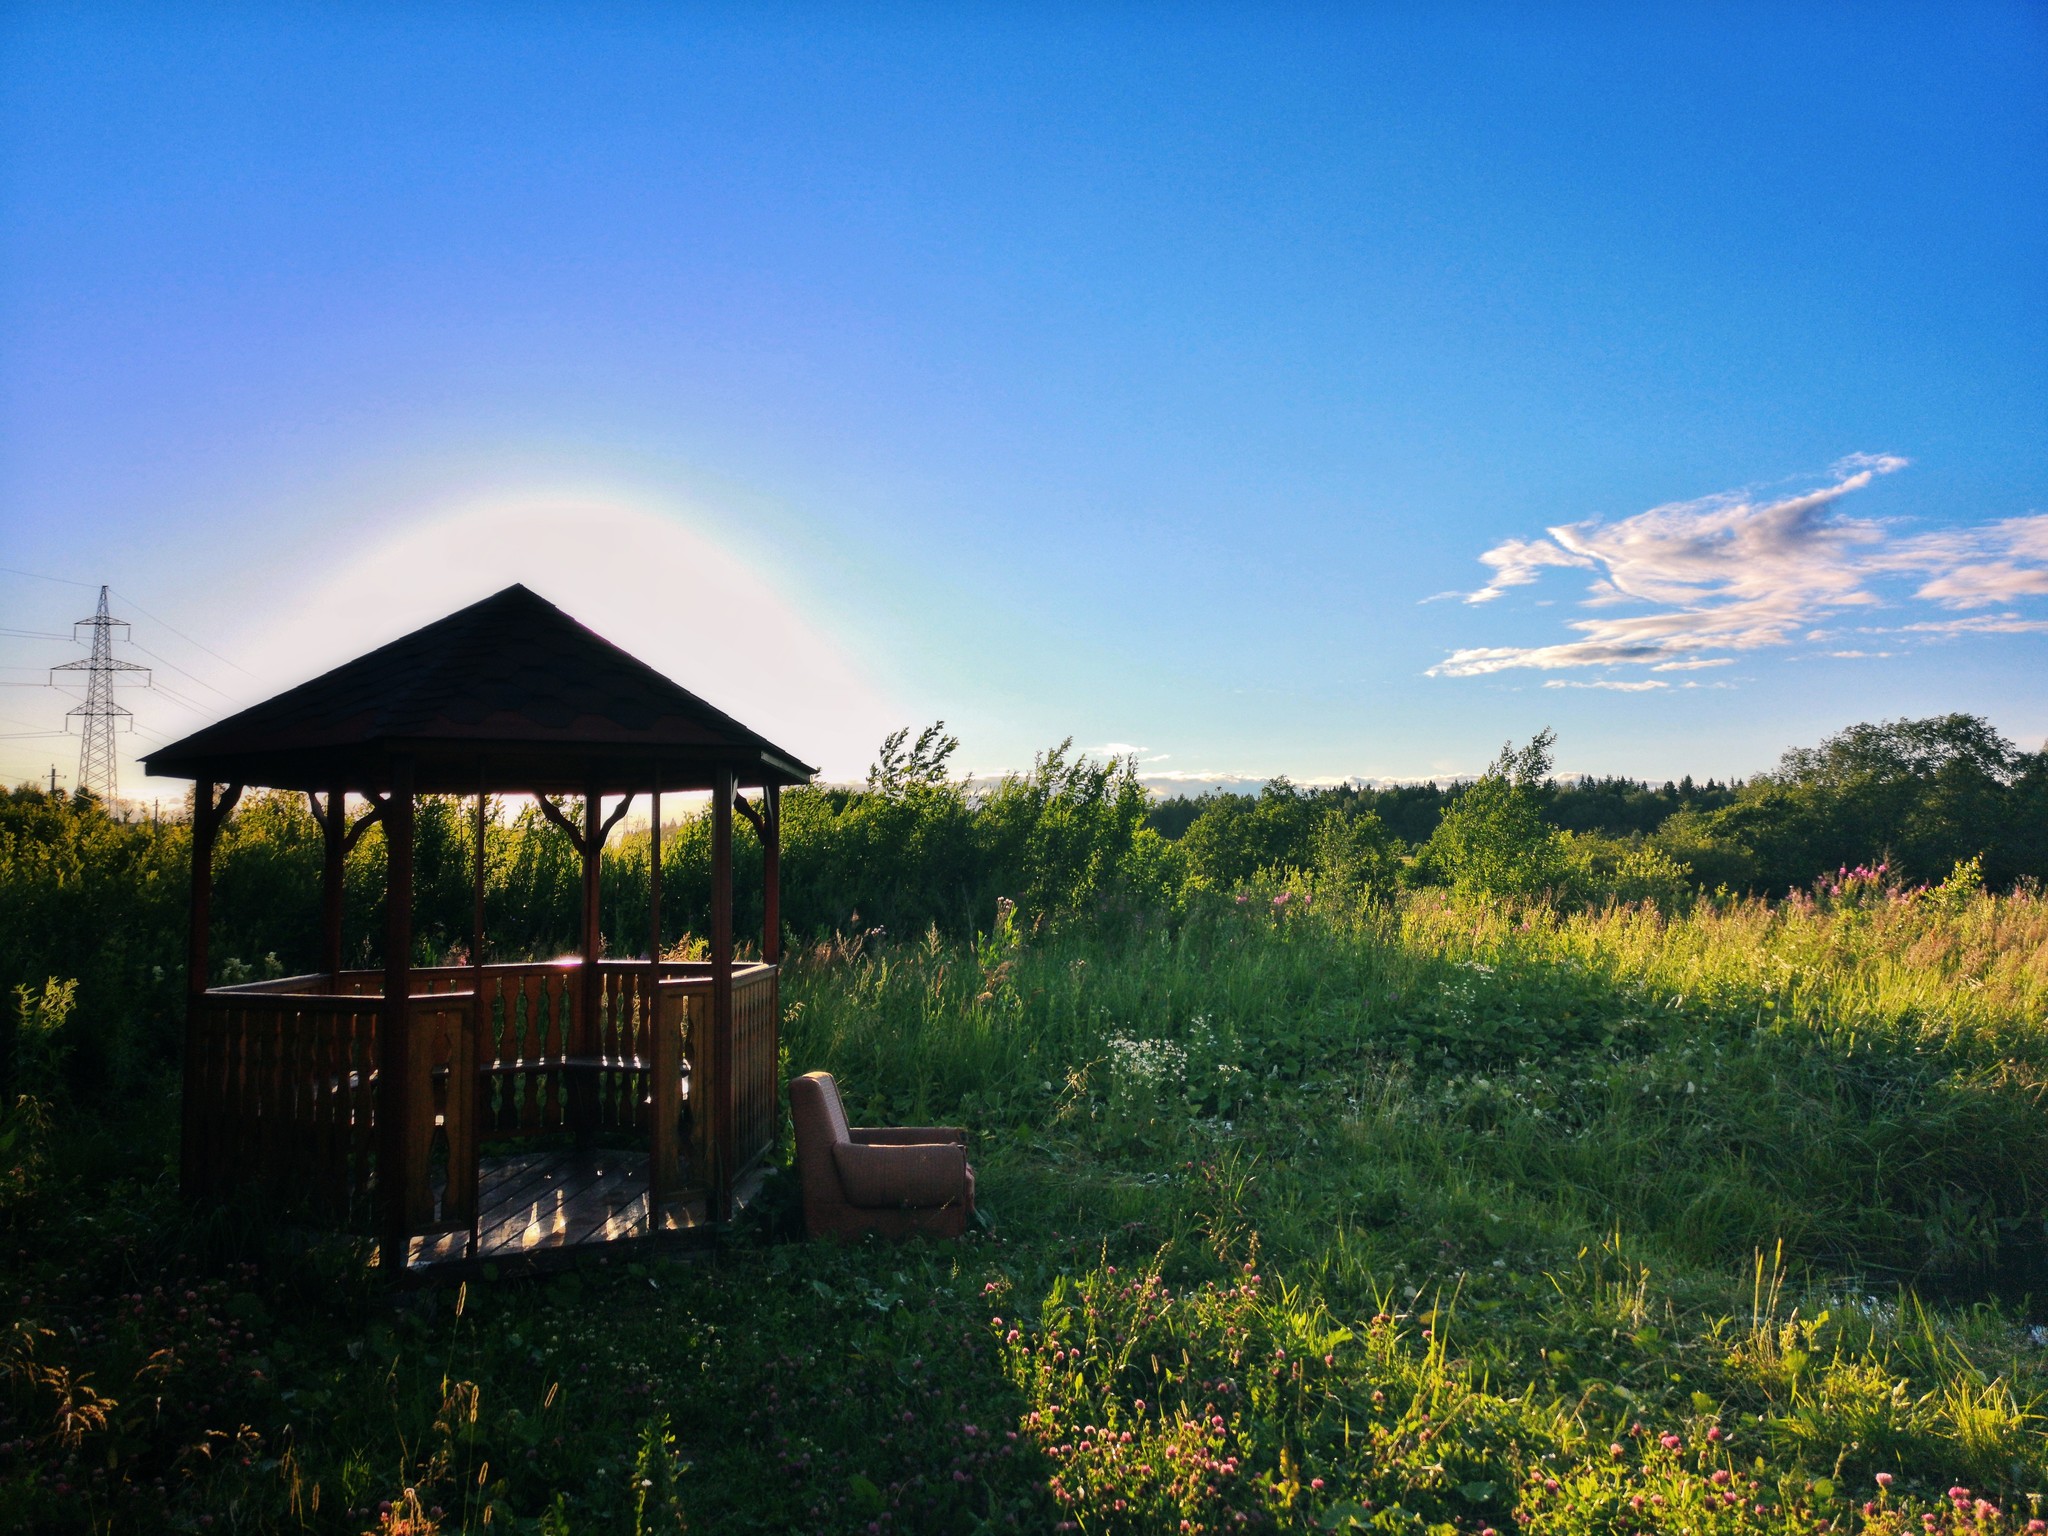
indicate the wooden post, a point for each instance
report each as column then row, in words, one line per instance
column 771, row 874
column 661, row 1056
column 654, row 877
column 394, row 1046
column 720, row 1099
column 333, row 872
column 590, row 985
column 771, row 938
column 195, row 1176
column 476, row 957
column 465, row 1171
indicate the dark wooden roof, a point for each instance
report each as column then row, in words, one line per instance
column 510, row 693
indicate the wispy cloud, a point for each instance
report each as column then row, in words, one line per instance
column 1643, row 686
column 1692, row 584
column 1981, row 624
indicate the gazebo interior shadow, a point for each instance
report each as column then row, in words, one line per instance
column 488, row 1112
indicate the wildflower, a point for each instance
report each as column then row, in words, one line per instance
column 1316, row 1483
column 1670, row 1442
column 1615, row 1450
column 1884, row 1479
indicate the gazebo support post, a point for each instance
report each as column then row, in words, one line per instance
column 476, row 957
column 719, row 1197
column 663, row 1052
column 483, row 1033
column 590, row 985
column 771, row 874
column 333, row 870
column 207, row 814
column 394, row 1053
column 771, row 931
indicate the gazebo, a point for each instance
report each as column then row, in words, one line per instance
column 642, row 1090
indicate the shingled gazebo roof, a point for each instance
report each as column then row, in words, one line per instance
column 509, row 694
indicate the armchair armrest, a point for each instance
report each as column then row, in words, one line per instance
column 909, row 1135
column 918, row 1176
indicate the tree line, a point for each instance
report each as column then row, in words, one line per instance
column 96, row 904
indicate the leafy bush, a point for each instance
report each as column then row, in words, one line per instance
column 1493, row 840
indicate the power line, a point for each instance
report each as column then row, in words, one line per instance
column 178, row 698
column 65, row 581
column 216, row 655
column 62, row 581
column 202, row 682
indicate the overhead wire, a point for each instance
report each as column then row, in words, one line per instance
column 62, row 581
column 202, row 682
column 216, row 655
column 178, row 698
column 66, row 581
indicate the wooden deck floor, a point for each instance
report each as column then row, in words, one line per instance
column 538, row 1204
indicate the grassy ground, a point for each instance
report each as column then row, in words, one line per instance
column 1299, row 1219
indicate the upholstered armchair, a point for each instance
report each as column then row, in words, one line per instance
column 889, row 1180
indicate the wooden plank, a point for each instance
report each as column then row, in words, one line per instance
column 542, row 1219
column 506, row 1188
column 510, row 1225
column 619, row 1181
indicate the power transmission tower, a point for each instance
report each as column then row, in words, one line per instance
column 96, row 730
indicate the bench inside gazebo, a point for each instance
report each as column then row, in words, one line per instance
column 488, row 1112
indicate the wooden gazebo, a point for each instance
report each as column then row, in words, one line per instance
column 644, row 1090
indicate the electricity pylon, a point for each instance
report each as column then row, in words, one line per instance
column 96, row 729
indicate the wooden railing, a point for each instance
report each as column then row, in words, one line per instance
column 756, row 1014
column 281, row 1084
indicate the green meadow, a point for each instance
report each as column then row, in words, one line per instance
column 1396, row 1184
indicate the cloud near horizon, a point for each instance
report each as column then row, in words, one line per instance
column 1729, row 573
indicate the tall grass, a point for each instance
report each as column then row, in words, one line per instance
column 1712, row 1167
column 1432, row 1216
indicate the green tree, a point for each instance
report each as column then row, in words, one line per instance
column 1493, row 840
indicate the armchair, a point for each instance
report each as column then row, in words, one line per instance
column 891, row 1180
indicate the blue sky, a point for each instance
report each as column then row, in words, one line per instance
column 1155, row 376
